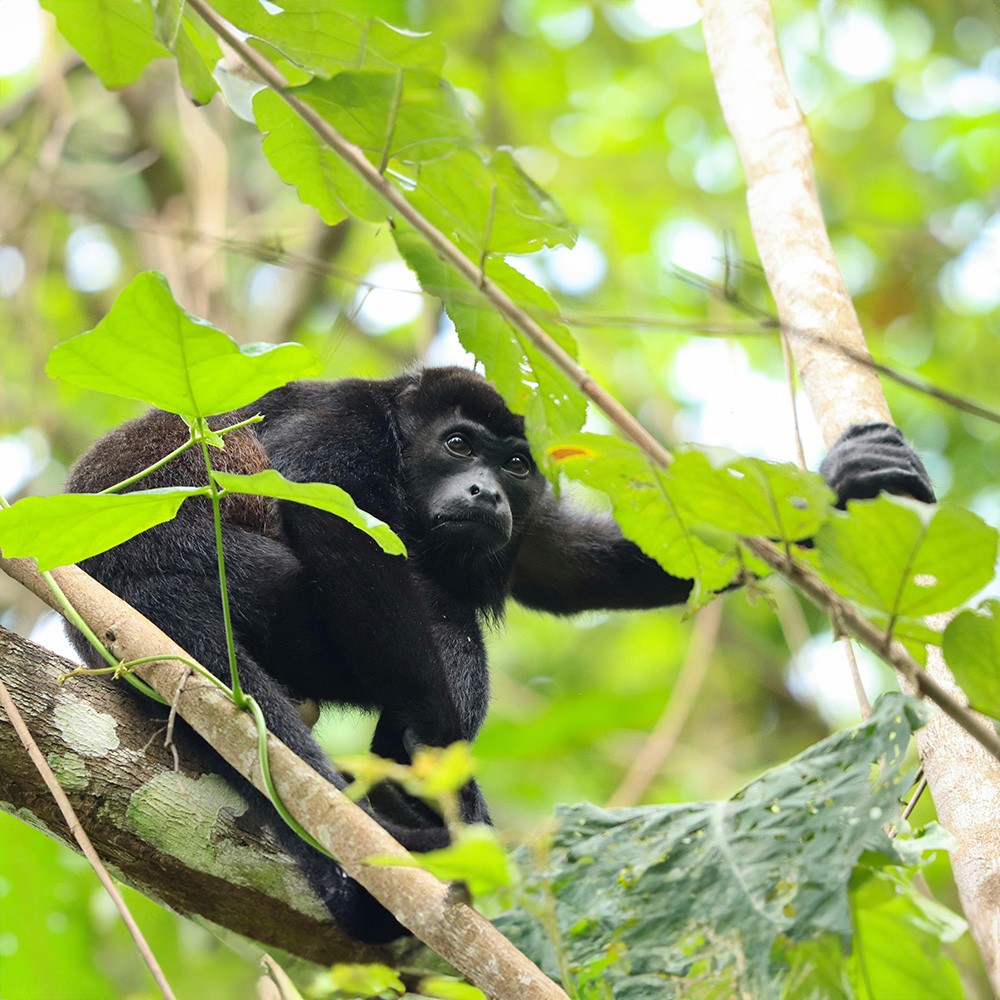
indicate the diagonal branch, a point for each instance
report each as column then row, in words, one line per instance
column 418, row 900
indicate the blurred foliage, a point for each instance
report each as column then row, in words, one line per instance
column 614, row 112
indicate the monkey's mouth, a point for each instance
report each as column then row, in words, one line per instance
column 472, row 527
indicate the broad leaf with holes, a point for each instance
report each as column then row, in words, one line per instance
column 721, row 884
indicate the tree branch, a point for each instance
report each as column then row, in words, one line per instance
column 106, row 746
column 419, row 901
column 774, row 146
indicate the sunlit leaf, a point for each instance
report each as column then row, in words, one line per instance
column 904, row 558
column 302, row 159
column 317, row 36
column 751, row 497
column 324, row 496
column 149, row 348
column 898, row 942
column 115, row 37
column 645, row 507
column 475, row 858
column 972, row 649
column 359, row 981
column 528, row 380
column 488, row 207
column 71, row 527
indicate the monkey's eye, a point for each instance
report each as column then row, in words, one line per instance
column 517, row 465
column 458, row 445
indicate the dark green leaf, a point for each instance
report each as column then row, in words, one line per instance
column 61, row 530
column 720, row 884
column 332, row 499
column 150, row 349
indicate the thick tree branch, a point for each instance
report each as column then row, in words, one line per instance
column 808, row 289
column 418, row 900
column 106, row 745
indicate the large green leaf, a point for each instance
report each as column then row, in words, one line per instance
column 149, row 348
column 407, row 115
column 719, row 885
column 301, row 159
column 65, row 529
column 751, row 497
column 332, row 499
column 898, row 942
column 645, row 507
column 115, row 37
column 317, row 36
column 972, row 649
column 906, row 559
column 488, row 207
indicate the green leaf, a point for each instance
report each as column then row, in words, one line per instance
column 750, row 496
column 906, row 559
column 972, row 649
column 897, row 947
column 61, row 530
column 149, row 348
column 315, row 35
column 475, row 858
column 489, row 208
column 197, row 51
column 645, row 507
column 720, row 885
column 408, row 115
column 324, row 496
column 445, row 988
column 358, row 981
column 300, row 158
column 529, row 382
column 115, row 37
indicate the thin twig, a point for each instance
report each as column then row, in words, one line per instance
column 864, row 704
column 663, row 737
column 80, row 835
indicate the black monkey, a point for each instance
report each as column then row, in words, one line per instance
column 321, row 613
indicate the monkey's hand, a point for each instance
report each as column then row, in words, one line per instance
column 871, row 458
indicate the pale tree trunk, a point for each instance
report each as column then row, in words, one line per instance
column 829, row 348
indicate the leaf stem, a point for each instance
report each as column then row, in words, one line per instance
column 239, row 698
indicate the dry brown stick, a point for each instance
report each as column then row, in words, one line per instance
column 80, row 836
column 664, row 735
column 418, row 900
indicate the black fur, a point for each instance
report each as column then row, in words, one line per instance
column 320, row 612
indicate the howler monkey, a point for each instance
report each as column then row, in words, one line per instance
column 320, row 612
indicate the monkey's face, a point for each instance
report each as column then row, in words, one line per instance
column 468, row 488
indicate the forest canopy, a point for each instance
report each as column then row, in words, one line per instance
column 694, row 804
